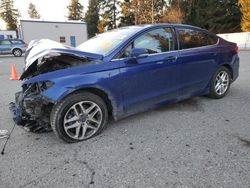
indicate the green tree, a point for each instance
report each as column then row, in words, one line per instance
column 148, row 11
column 75, row 10
column 9, row 14
column 33, row 12
column 92, row 17
column 245, row 10
column 216, row 16
column 127, row 14
column 108, row 14
column 173, row 12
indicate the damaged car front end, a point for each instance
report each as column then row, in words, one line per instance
column 32, row 108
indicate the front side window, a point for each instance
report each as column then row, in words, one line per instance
column 190, row 38
column 156, row 41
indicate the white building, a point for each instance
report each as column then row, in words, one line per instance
column 71, row 33
column 8, row 34
column 242, row 39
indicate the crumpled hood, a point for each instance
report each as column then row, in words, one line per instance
column 46, row 48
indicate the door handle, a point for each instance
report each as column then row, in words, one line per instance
column 167, row 59
column 170, row 58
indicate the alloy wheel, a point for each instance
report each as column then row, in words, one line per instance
column 82, row 120
column 221, row 82
column 17, row 53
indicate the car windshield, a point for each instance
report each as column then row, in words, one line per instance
column 105, row 43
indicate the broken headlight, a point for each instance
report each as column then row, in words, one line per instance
column 43, row 86
column 37, row 87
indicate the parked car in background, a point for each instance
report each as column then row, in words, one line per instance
column 74, row 91
column 13, row 46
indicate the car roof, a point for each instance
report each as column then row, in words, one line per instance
column 145, row 26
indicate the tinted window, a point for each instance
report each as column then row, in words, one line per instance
column 4, row 42
column 156, row 41
column 193, row 38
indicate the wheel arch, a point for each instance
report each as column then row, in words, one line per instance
column 16, row 48
column 102, row 94
column 229, row 68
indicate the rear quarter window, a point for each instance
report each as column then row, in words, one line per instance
column 190, row 38
column 17, row 42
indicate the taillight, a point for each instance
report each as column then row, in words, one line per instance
column 237, row 49
column 26, row 45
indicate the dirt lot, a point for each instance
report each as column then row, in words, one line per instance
column 196, row 143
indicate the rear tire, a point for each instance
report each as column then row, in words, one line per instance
column 17, row 52
column 220, row 83
column 78, row 117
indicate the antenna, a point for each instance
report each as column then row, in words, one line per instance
column 2, row 153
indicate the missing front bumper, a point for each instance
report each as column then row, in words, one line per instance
column 32, row 113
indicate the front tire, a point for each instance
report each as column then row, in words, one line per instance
column 220, row 83
column 79, row 117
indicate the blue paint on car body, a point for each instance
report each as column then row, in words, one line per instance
column 135, row 84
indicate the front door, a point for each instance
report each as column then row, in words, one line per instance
column 153, row 79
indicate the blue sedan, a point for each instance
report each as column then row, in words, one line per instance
column 12, row 46
column 74, row 91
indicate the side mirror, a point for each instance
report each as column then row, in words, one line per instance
column 138, row 52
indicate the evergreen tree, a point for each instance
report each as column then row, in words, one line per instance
column 159, row 8
column 144, row 11
column 92, row 17
column 33, row 12
column 128, row 16
column 245, row 10
column 75, row 10
column 216, row 16
column 9, row 14
column 108, row 14
column 148, row 11
column 173, row 13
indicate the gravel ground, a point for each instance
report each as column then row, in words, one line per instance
column 195, row 143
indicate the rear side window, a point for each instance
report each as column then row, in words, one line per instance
column 17, row 42
column 4, row 42
column 156, row 41
column 190, row 38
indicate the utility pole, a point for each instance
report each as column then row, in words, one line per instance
column 114, row 25
column 152, row 11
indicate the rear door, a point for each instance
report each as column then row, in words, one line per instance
column 5, row 46
column 198, row 55
column 153, row 78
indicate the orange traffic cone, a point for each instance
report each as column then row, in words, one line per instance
column 14, row 75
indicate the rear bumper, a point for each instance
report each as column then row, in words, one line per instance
column 235, row 67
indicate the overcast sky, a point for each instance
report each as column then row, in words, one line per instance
column 55, row 10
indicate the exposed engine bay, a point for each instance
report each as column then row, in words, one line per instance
column 53, row 63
